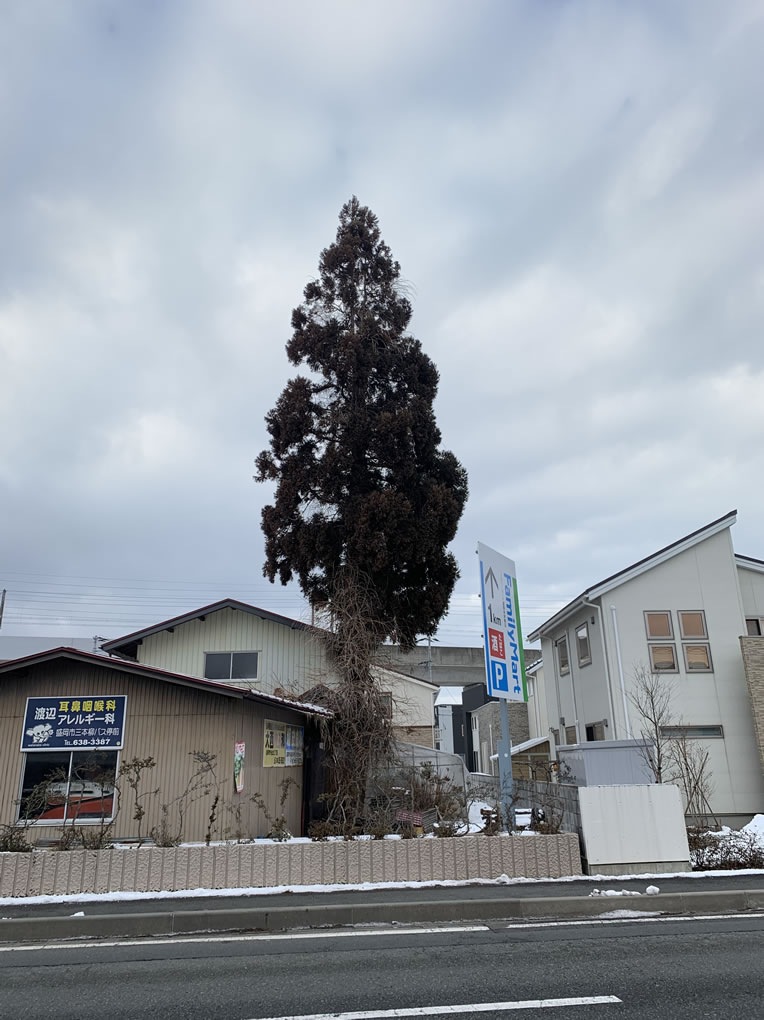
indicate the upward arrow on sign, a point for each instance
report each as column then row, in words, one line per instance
column 491, row 579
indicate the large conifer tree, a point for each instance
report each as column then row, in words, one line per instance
column 364, row 490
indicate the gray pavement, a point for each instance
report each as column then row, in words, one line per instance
column 310, row 910
column 428, row 895
column 652, row 970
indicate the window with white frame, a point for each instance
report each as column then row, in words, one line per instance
column 582, row 645
column 663, row 659
column 753, row 626
column 595, row 730
column 692, row 732
column 230, row 665
column 571, row 737
column 658, row 625
column 692, row 625
column 563, row 658
column 697, row 658
column 68, row 786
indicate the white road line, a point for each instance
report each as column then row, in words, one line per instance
column 632, row 920
column 468, row 1007
column 174, row 940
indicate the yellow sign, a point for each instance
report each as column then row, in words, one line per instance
column 282, row 746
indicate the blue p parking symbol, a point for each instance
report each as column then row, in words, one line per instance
column 499, row 676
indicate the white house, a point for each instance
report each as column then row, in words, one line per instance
column 681, row 612
column 239, row 644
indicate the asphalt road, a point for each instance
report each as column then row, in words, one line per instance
column 651, row 969
column 476, row 892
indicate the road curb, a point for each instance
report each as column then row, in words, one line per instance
column 46, row 929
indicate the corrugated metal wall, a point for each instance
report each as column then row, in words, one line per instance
column 167, row 722
column 290, row 659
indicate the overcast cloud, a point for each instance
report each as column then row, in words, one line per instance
column 574, row 190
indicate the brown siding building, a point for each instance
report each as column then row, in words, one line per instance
column 169, row 718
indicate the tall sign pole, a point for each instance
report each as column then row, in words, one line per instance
column 504, row 660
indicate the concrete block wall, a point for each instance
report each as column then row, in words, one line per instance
column 258, row 865
column 753, row 664
column 535, row 794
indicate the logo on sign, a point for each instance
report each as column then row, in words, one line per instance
column 41, row 733
column 499, row 677
column 496, row 644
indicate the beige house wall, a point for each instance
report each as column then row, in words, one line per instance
column 167, row 722
column 290, row 660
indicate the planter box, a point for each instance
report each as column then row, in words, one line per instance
column 253, row 865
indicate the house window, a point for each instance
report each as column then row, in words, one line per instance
column 563, row 659
column 475, row 761
column 571, row 737
column 692, row 732
column 658, row 626
column 68, row 786
column 473, row 722
column 595, row 731
column 387, row 704
column 697, row 658
column 753, row 626
column 663, row 659
column 693, row 625
column 230, row 665
column 582, row 645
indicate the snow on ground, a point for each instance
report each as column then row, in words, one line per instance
column 502, row 880
column 476, row 820
column 756, row 828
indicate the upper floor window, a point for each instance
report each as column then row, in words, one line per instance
column 697, row 658
column 563, row 659
column 693, row 624
column 386, row 699
column 582, row 645
column 595, row 730
column 571, row 737
column 658, row 626
column 663, row 659
column 753, row 626
column 230, row 665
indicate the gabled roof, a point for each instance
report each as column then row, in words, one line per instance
column 749, row 563
column 127, row 646
column 640, row 567
column 152, row 672
column 398, row 674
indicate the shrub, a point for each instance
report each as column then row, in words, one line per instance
column 724, row 851
column 13, row 840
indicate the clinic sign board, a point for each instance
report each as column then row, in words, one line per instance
column 504, row 661
column 87, row 723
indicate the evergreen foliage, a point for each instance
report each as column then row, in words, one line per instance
column 363, row 488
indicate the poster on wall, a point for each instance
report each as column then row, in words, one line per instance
column 238, row 766
column 282, row 745
column 86, row 723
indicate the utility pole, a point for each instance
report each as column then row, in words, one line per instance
column 2, row 605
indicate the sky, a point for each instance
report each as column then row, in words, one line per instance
column 574, row 191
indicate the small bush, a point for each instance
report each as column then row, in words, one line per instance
column 13, row 840
column 732, row 851
column 448, row 828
